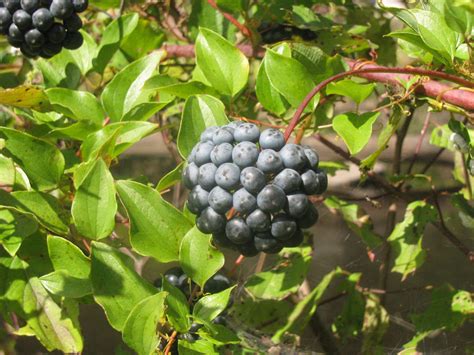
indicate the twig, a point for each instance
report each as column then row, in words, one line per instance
column 242, row 28
column 171, row 340
column 260, row 262
column 467, row 177
column 420, row 141
column 384, row 266
column 401, row 134
column 432, row 161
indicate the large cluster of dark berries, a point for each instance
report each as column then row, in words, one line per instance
column 177, row 278
column 42, row 27
column 251, row 189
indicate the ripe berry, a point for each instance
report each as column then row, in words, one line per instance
column 244, row 202
column 247, row 132
column 74, row 40
column 220, row 200
column 22, row 19
column 272, row 139
column 56, row 34
column 248, row 250
column 264, row 242
column 245, row 154
column 206, row 176
column 5, row 19
column 34, row 38
column 42, row 19
column 198, row 199
column 73, row 23
column 310, row 182
column 12, row 5
column 228, row 176
column 29, row 52
column 295, row 240
column 61, row 9
column 293, row 157
column 203, row 153
column 309, row 218
column 252, row 179
column 220, row 240
column 190, row 175
column 15, row 36
column 269, row 161
column 222, row 153
column 80, row 5
column 208, row 133
column 216, row 284
column 289, row 180
column 237, row 231
column 210, row 221
column 258, row 221
column 297, row 205
column 30, row 6
column 323, row 181
column 45, row 3
column 222, row 135
column 283, row 227
column 312, row 156
column 271, row 199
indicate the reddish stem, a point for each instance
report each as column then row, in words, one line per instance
column 245, row 31
column 170, row 342
column 359, row 72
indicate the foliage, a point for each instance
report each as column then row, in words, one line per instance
column 73, row 232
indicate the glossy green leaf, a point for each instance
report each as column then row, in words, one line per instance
column 356, row 91
column 178, row 307
column 32, row 155
column 7, row 171
column 267, row 94
column 79, row 105
column 198, row 257
column 171, row 178
column 304, row 310
column 223, row 65
column 44, row 207
column 219, row 334
column 117, row 288
column 280, row 68
column 283, row 279
column 64, row 255
column 407, row 237
column 156, row 227
column 210, row 306
column 200, row 346
column 145, row 38
column 112, row 37
column 185, row 90
column 354, row 129
column 61, row 283
column 140, row 327
column 124, row 91
column 200, row 112
column 94, row 205
column 15, row 227
column 204, row 15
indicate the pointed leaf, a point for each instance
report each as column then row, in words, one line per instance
column 210, row 306
column 354, row 129
column 178, row 307
column 64, row 255
column 357, row 92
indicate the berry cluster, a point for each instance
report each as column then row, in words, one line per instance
column 42, row 27
column 177, row 278
column 259, row 181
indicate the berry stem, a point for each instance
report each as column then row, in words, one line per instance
column 360, row 72
column 171, row 340
column 237, row 263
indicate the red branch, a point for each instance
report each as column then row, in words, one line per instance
column 440, row 91
column 245, row 31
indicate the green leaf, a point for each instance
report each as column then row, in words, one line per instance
column 15, row 227
column 64, row 255
column 354, row 129
column 357, row 220
column 178, row 307
column 117, row 288
column 61, row 283
column 44, row 207
column 223, row 65
column 304, row 310
column 357, row 92
column 449, row 309
column 407, row 236
column 94, row 205
column 124, row 92
column 219, row 334
column 140, row 327
column 199, row 113
column 187, row 89
column 156, row 227
column 267, row 94
column 210, row 306
column 197, row 347
column 79, row 105
column 285, row 278
column 25, row 96
column 457, row 18
column 145, row 38
column 7, row 171
column 375, row 325
column 198, row 257
column 332, row 167
column 114, row 34
column 280, row 68
column 171, row 178
column 33, row 154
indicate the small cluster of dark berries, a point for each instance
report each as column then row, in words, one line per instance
column 42, row 27
column 250, row 189
column 177, row 278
